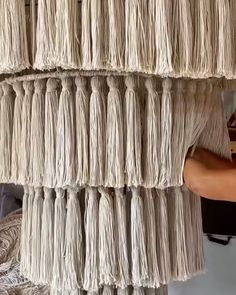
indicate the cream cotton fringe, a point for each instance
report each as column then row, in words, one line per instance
column 179, row 38
column 104, row 203
column 100, row 149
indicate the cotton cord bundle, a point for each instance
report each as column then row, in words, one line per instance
column 36, row 235
column 97, row 127
column 28, row 238
column 91, row 268
column 65, row 151
column 47, row 233
column 152, row 136
column 16, row 135
column 26, row 133
column 67, row 34
column 6, row 119
column 74, row 252
column 151, row 239
column 114, row 169
column 123, row 275
column 132, row 119
column 179, row 262
column 166, row 134
column 37, row 134
column 107, row 249
column 163, row 241
column 13, row 49
column 23, row 264
column 45, row 41
column 59, row 240
column 51, row 116
column 138, row 236
column 116, row 14
column 82, row 136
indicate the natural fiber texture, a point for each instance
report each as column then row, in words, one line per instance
column 114, row 170
column 37, row 134
column 135, row 36
column 13, row 49
column 6, row 120
column 25, row 133
column 97, row 127
column 82, row 136
column 16, row 135
column 45, row 34
column 47, row 233
column 65, row 150
column 51, row 116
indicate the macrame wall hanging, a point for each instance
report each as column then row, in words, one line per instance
column 99, row 139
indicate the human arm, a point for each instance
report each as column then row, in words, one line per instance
column 210, row 176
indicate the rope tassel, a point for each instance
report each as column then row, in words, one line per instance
column 91, row 268
column 59, row 240
column 153, row 280
column 25, row 133
column 107, row 254
column 67, row 34
column 7, row 108
column 123, row 276
column 152, row 136
column 97, row 127
column 16, row 135
column 37, row 134
column 65, row 149
column 47, row 237
column 166, row 134
column 82, row 138
column 132, row 117
column 74, row 258
column 45, row 35
column 138, row 240
column 163, row 249
column 24, row 229
column 51, row 116
column 114, row 136
column 36, row 235
column 177, row 235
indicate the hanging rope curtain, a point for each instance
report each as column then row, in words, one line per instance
column 101, row 159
